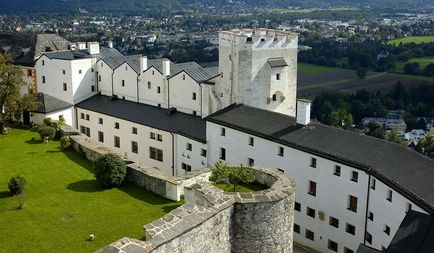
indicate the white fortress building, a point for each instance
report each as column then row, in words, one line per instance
column 177, row 117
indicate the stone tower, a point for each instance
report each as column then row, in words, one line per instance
column 258, row 68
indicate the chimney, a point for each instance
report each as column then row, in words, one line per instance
column 143, row 63
column 110, row 44
column 93, row 48
column 303, row 111
column 81, row 45
column 166, row 67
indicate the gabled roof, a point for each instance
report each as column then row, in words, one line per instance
column 401, row 168
column 277, row 62
column 25, row 48
column 187, row 125
column 50, row 104
column 200, row 74
column 415, row 234
column 82, row 54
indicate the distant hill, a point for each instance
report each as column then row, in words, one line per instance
column 136, row 6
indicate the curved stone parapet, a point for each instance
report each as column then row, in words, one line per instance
column 212, row 220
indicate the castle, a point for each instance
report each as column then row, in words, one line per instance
column 177, row 117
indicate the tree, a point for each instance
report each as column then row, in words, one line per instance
column 429, row 70
column 361, row 73
column 376, row 130
column 340, row 118
column 426, row 145
column 412, row 68
column 110, row 170
column 393, row 137
column 11, row 99
column 232, row 174
column 16, row 184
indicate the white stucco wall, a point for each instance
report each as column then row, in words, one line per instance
column 105, row 72
column 193, row 158
column 151, row 96
column 181, row 89
column 126, row 73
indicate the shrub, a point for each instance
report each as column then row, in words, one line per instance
column 16, row 185
column 110, row 170
column 65, row 142
column 232, row 174
column 46, row 132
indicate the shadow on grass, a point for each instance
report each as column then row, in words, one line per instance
column 5, row 195
column 85, row 186
column 79, row 159
column 34, row 141
column 57, row 150
column 143, row 195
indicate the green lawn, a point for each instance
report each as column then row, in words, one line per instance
column 423, row 62
column 252, row 187
column 312, row 69
column 415, row 39
column 63, row 203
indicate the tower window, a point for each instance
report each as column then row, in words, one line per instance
column 194, row 95
column 222, row 154
column 123, row 82
column 274, row 97
column 277, row 76
column 158, row 89
column 65, row 87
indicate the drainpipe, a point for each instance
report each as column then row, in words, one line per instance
column 138, row 89
column 367, row 207
column 112, row 83
column 173, row 154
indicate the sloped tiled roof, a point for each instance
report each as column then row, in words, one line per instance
column 408, row 172
column 80, row 54
column 187, row 125
column 50, row 104
column 277, row 62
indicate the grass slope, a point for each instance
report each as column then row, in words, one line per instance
column 423, row 62
column 415, row 39
column 63, row 203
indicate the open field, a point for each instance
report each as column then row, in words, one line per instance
column 423, row 62
column 306, row 68
column 63, row 202
column 292, row 10
column 414, row 39
column 311, row 84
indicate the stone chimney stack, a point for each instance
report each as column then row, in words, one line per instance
column 166, row 67
column 110, row 44
column 303, row 111
column 143, row 64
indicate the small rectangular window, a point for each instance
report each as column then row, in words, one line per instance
column 310, row 212
column 355, row 176
column 352, row 203
column 251, row 162
column 79, row 71
column 102, row 64
column 100, row 136
column 251, row 141
column 368, row 237
column 297, row 228
column 156, row 154
column 373, row 182
column 99, row 78
column 123, row 82
column 350, row 229
column 92, row 88
column 158, row 89
column 222, row 131
column 134, row 147
column 277, row 76
column 65, row 87
column 297, row 206
column 337, row 171
column 389, row 195
column 334, row 222
column 100, row 121
column 222, row 154
column 43, row 79
column 159, row 137
column 313, row 162
column 117, row 125
column 186, row 167
column 183, row 76
column 189, row 147
column 310, row 235
column 43, row 63
column 117, row 142
column 81, row 115
column 63, row 71
column 281, row 151
column 194, row 95
column 152, row 136
column 203, row 152
column 386, row 230
column 92, row 70
column 134, row 130
column 312, row 188
column 149, row 85
column 371, row 216
column 333, row 246
column 87, row 117
column 274, row 97
column 347, row 250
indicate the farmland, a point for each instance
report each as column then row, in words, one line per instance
column 414, row 39
column 423, row 62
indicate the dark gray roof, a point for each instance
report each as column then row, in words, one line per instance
column 403, row 169
column 80, row 54
column 415, row 234
column 365, row 249
column 187, row 125
column 202, row 74
column 277, row 62
column 25, row 48
column 50, row 104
